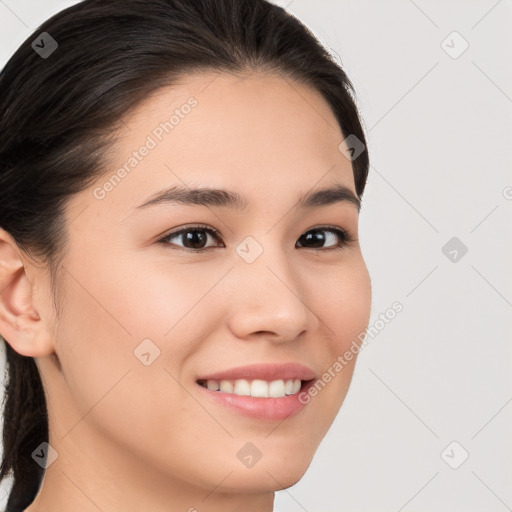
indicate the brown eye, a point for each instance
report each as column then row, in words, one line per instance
column 192, row 238
column 316, row 238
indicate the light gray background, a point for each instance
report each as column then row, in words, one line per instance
column 439, row 135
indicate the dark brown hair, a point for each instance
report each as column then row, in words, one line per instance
column 58, row 113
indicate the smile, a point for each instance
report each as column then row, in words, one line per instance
column 256, row 388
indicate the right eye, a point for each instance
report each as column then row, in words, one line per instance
column 194, row 238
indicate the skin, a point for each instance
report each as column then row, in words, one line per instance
column 131, row 437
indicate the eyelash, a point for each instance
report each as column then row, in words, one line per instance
column 345, row 237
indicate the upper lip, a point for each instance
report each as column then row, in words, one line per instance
column 268, row 372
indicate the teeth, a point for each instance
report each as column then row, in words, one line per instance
column 277, row 388
column 256, row 388
column 226, row 386
column 242, row 387
column 212, row 384
column 259, row 388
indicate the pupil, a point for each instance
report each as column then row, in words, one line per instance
column 195, row 238
column 315, row 237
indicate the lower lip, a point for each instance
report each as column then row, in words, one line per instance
column 271, row 409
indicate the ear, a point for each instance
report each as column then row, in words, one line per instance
column 20, row 323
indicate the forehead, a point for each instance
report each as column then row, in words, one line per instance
column 256, row 133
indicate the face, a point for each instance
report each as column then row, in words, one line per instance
column 159, row 296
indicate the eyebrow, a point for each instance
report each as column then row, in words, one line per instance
column 228, row 199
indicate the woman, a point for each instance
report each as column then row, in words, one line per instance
column 180, row 270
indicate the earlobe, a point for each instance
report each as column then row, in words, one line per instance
column 20, row 323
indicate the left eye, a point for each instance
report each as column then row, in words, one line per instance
column 196, row 238
column 317, row 238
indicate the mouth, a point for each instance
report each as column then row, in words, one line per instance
column 256, row 388
column 268, row 392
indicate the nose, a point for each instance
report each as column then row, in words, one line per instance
column 269, row 300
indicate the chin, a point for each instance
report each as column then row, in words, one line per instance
column 279, row 471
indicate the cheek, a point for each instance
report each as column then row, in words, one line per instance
column 162, row 299
column 344, row 305
column 115, row 311
column 342, row 301
column 110, row 387
column 93, row 344
column 356, row 303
